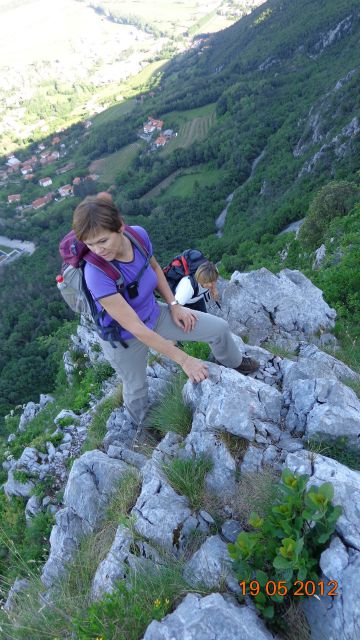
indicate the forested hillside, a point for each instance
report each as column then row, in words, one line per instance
column 268, row 110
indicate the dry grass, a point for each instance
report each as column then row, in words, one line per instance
column 236, row 446
column 297, row 627
column 254, row 492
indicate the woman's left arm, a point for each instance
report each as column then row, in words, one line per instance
column 183, row 317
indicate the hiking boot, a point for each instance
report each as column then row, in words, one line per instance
column 247, row 365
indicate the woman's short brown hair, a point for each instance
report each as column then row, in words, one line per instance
column 207, row 272
column 94, row 213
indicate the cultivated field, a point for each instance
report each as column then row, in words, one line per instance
column 181, row 183
column 193, row 126
column 110, row 166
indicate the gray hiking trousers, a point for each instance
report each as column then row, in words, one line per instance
column 131, row 363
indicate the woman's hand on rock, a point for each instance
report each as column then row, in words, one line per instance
column 195, row 369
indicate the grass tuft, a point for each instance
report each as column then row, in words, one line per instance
column 171, row 414
column 187, row 477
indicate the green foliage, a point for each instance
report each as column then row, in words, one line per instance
column 334, row 199
column 187, row 477
column 199, row 350
column 338, row 449
column 23, row 547
column 97, row 428
column 89, row 384
column 285, row 544
column 279, row 351
column 21, row 476
column 125, row 614
column 171, row 413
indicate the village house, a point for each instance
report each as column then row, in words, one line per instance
column 149, row 128
column 25, row 169
column 160, row 141
column 77, row 180
column 158, row 124
column 45, row 182
column 55, row 140
column 66, row 190
column 29, row 176
column 15, row 197
column 13, row 168
column 12, row 161
column 41, row 202
column 41, row 146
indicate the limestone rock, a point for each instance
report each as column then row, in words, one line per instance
column 214, row 616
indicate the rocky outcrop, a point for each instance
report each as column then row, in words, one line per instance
column 92, row 481
column 214, row 616
column 272, row 413
column 265, row 306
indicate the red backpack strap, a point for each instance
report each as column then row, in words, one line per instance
column 137, row 240
column 185, row 265
column 105, row 266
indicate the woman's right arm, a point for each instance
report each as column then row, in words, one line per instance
column 120, row 310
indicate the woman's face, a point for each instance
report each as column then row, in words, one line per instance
column 212, row 288
column 106, row 244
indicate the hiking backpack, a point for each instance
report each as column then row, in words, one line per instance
column 73, row 288
column 185, row 264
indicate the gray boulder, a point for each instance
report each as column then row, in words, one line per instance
column 29, row 413
column 214, row 616
column 263, row 305
column 161, row 515
column 210, row 565
column 126, row 553
column 339, row 615
column 13, row 487
column 19, row 586
column 93, row 479
column 313, row 363
column 322, row 407
column 234, row 403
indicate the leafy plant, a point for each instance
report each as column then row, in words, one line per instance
column 187, row 477
column 285, row 544
column 21, row 476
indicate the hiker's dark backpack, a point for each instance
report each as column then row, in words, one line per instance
column 185, row 264
column 72, row 285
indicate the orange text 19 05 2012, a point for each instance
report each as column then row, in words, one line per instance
column 281, row 588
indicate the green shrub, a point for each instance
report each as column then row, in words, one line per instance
column 187, row 477
column 21, row 476
column 334, row 199
column 285, row 545
column 171, row 413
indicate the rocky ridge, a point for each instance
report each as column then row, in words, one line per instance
column 293, row 397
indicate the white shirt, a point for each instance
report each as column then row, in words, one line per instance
column 184, row 292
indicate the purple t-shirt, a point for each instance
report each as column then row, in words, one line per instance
column 145, row 305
